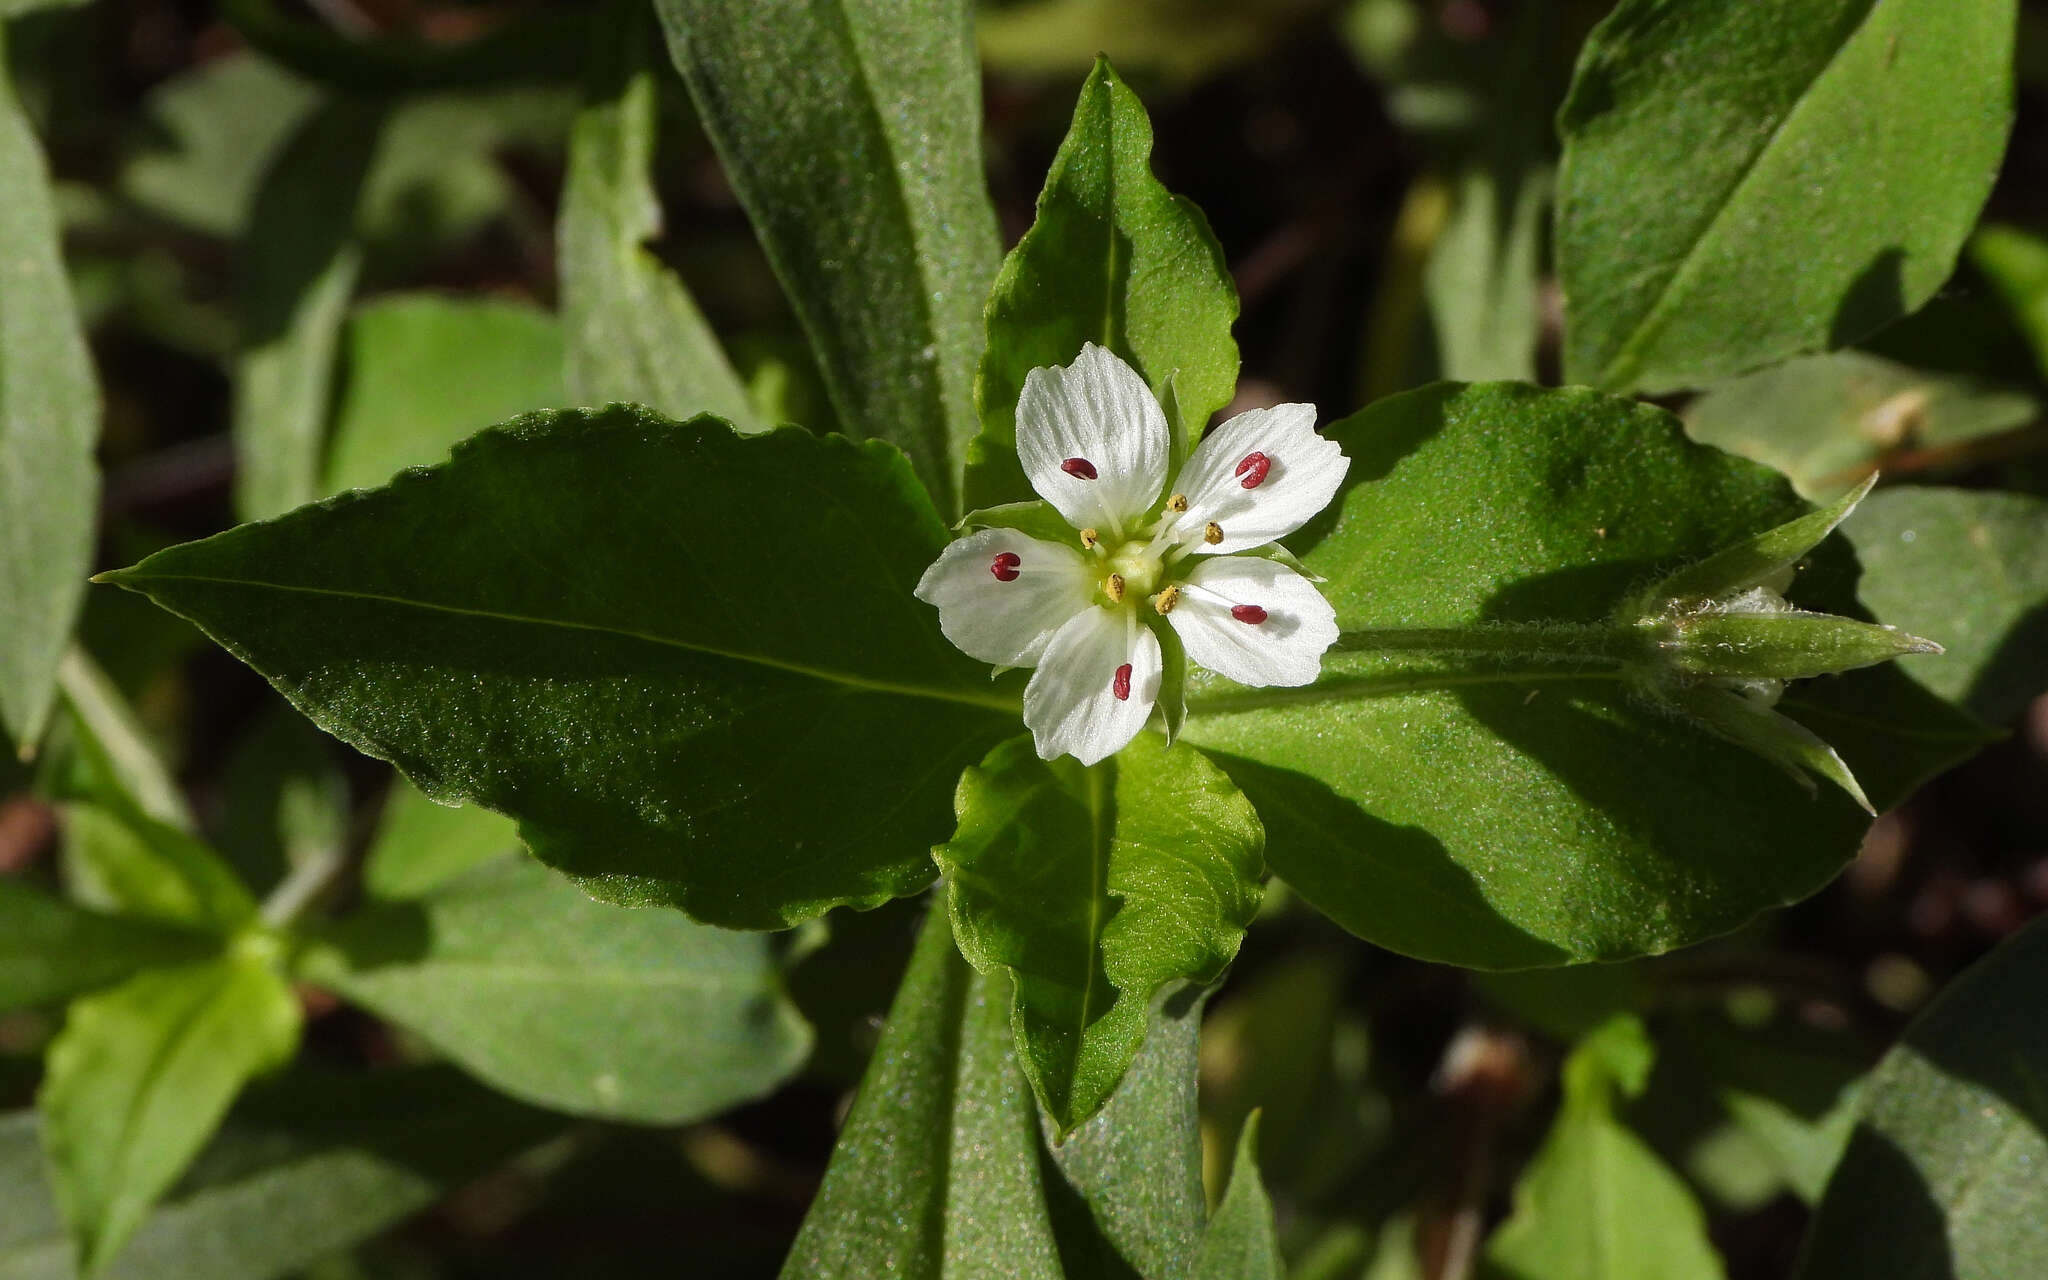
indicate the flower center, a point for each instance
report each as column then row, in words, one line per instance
column 1139, row 568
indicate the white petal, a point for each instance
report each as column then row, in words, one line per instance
column 1007, row 624
column 1285, row 648
column 1071, row 704
column 1302, row 474
column 1097, row 410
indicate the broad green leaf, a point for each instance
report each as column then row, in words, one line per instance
column 141, row 1075
column 633, row 331
column 426, row 371
column 1970, row 567
column 1093, row 889
column 1453, row 788
column 301, row 1169
column 2015, row 263
column 1828, row 421
column 49, row 421
column 1943, row 1175
column 298, row 267
column 1116, row 259
column 209, row 134
column 516, row 974
column 851, row 130
column 422, row 845
column 1596, row 1203
column 1744, row 182
column 1240, row 1243
column 739, row 709
column 50, row 949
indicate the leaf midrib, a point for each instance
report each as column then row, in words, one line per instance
column 990, row 701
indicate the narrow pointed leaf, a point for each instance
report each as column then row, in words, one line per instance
column 49, row 420
column 1116, row 259
column 1542, row 812
column 1717, row 207
column 1779, row 739
column 688, row 662
column 1241, row 1243
column 634, row 332
column 516, row 974
column 141, row 1075
column 1755, row 559
column 1942, row 1177
column 863, row 177
column 1093, row 889
column 1596, row 1203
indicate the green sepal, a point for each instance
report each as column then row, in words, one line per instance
column 1173, row 678
column 1787, row 645
column 1784, row 742
column 1038, row 518
column 1755, row 561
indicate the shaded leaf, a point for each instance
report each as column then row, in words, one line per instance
column 863, row 178
column 50, row 949
column 1719, row 206
column 421, row 845
column 210, row 133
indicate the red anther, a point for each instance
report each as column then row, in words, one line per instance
column 1004, row 566
column 1079, row 468
column 1253, row 467
column 1121, row 686
column 1248, row 613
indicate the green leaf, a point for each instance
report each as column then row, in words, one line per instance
column 1093, row 889
column 1968, row 567
column 1113, row 258
column 1942, row 1177
column 1481, row 280
column 1746, row 182
column 50, row 949
column 422, row 845
column 287, row 799
column 1185, row 41
column 634, row 333
column 739, row 710
column 863, row 177
column 1596, row 1202
column 1828, row 421
column 1502, row 809
column 49, row 421
column 114, row 742
column 141, row 1075
column 426, row 371
column 1791, row 1089
column 517, row 975
column 298, row 267
column 1240, row 1243
column 2015, row 263
column 301, row 1169
column 209, row 134
column 941, row 1171
column 124, row 861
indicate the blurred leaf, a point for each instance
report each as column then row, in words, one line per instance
column 15, row 8
column 1093, row 889
column 1541, row 811
column 209, row 133
column 863, row 177
column 287, row 799
column 1827, row 421
column 1568, row 1003
column 1240, row 1243
column 1943, row 1176
column 1481, row 279
column 537, row 46
column 302, row 1168
column 702, row 723
column 2015, row 264
column 119, row 753
column 634, row 332
column 440, row 175
column 1267, row 1046
column 1791, row 1090
column 50, row 949
column 1971, row 568
column 1595, row 1201
column 1183, row 40
column 49, row 421
column 565, row 1002
column 141, row 1075
column 1113, row 258
column 1719, row 203
column 425, row 371
column 422, row 845
column 297, row 270
column 124, row 861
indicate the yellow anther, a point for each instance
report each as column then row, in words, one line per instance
column 1177, row 503
column 1089, row 538
column 1212, row 533
column 1166, row 599
column 1113, row 587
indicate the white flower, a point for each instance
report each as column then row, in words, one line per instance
column 1094, row 444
